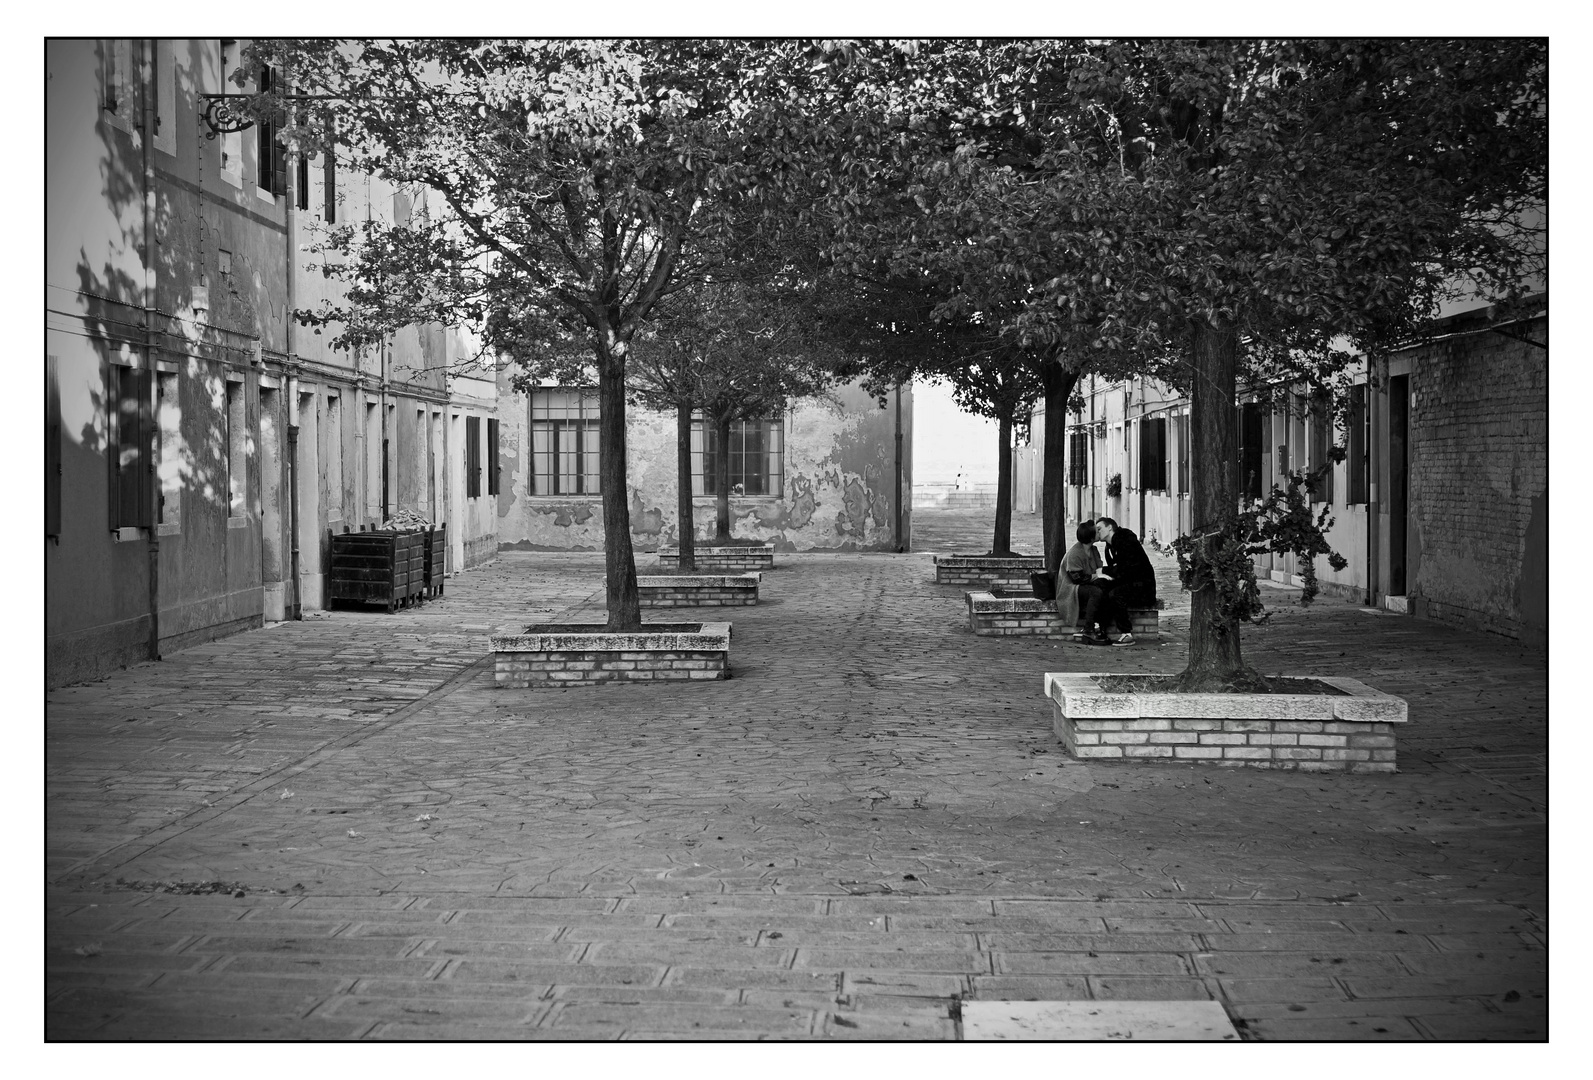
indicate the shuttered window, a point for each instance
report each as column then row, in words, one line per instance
column 1153, row 454
column 1355, row 464
column 1181, row 441
column 492, row 457
column 128, row 433
column 1251, row 446
column 1321, row 421
column 52, row 446
column 473, row 457
column 1079, row 457
column 271, row 159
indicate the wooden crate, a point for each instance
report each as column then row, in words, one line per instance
column 383, row 567
column 436, row 559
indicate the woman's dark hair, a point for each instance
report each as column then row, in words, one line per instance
column 1085, row 532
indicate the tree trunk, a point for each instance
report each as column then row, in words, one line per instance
column 1214, row 659
column 688, row 538
column 624, row 604
column 1058, row 384
column 1001, row 545
column 722, row 479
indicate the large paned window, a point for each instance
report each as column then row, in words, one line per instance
column 1079, row 457
column 756, row 452
column 564, row 442
column 1153, row 453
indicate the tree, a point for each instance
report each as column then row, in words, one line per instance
column 576, row 185
column 1212, row 208
column 734, row 349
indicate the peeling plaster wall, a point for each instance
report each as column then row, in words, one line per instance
column 839, row 484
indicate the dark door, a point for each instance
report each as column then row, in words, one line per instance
column 1398, row 479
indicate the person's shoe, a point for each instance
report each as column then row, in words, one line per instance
column 1123, row 639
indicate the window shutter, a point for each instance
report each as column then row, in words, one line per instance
column 472, row 457
column 113, row 445
column 303, row 180
column 492, row 457
column 329, row 178
column 52, row 446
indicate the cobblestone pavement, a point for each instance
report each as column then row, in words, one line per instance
column 868, row 824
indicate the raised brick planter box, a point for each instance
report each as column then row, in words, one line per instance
column 1352, row 732
column 698, row 590
column 736, row 558
column 1003, row 616
column 576, row 654
column 987, row 571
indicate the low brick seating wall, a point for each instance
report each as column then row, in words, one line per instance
column 1351, row 732
column 990, row 615
column 698, row 590
column 577, row 654
column 987, row 571
column 735, row 558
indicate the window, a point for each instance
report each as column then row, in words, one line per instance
column 237, row 452
column 302, row 180
column 1181, row 440
column 165, row 96
column 118, row 87
column 473, row 457
column 168, row 417
column 128, row 434
column 1153, row 454
column 492, row 457
column 1251, row 451
column 374, row 470
column 329, row 181
column 334, row 457
column 1356, row 464
column 231, row 148
column 1079, row 457
column 1321, row 421
column 756, row 458
column 52, row 446
column 564, row 442
column 271, row 157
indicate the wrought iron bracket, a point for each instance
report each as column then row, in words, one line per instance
column 222, row 117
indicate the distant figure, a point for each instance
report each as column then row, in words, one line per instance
column 1130, row 576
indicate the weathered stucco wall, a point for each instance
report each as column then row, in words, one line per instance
column 838, row 493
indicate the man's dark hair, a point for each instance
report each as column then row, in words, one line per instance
column 1085, row 532
column 1105, row 521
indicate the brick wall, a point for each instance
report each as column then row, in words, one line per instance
column 1479, row 481
column 729, row 561
column 988, row 572
column 571, row 668
column 990, row 616
column 697, row 596
column 1310, row 745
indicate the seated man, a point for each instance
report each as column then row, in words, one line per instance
column 1131, row 580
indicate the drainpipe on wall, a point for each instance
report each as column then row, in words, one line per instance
column 896, row 527
column 295, row 610
column 150, row 336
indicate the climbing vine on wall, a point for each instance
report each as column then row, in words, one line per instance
column 1282, row 523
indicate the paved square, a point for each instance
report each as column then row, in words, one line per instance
column 1097, row 1021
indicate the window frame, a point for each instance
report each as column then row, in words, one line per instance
column 549, row 429
column 492, row 455
column 129, row 455
column 1357, row 479
column 1152, row 471
column 701, row 456
column 169, row 440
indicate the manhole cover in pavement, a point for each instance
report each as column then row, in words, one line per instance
column 1096, row 1021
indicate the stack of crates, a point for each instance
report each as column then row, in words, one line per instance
column 383, row 566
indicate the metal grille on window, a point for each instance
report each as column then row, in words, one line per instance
column 564, row 442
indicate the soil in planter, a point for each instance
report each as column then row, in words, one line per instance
column 1164, row 684
column 645, row 628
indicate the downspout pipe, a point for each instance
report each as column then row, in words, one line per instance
column 151, row 337
column 290, row 220
column 896, row 527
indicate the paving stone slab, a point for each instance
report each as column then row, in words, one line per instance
column 1096, row 1021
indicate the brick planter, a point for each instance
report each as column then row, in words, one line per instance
column 736, row 558
column 576, row 654
column 698, row 590
column 1352, row 732
column 987, row 571
column 1006, row 616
